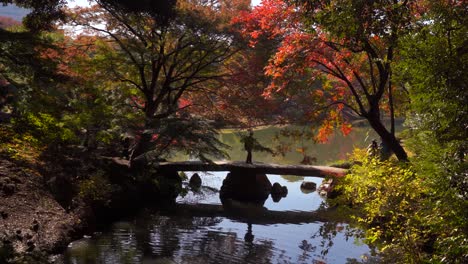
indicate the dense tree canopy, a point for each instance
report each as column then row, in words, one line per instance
column 158, row 61
column 352, row 44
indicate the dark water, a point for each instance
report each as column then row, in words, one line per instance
column 171, row 237
column 159, row 237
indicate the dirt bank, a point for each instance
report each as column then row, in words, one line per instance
column 32, row 223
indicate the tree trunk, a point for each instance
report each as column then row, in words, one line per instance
column 388, row 138
column 390, row 102
column 142, row 145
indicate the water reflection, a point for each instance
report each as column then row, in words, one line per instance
column 172, row 236
column 336, row 148
column 171, row 241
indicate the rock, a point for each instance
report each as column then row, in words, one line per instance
column 276, row 188
column 279, row 190
column 4, row 214
column 326, row 188
column 276, row 198
column 15, row 180
column 309, row 185
column 18, row 235
column 35, row 226
column 9, row 189
column 195, row 181
column 30, row 245
column 245, row 186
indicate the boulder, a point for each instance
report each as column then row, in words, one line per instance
column 279, row 190
column 327, row 189
column 312, row 186
column 245, row 186
column 195, row 181
column 276, row 198
column 276, row 188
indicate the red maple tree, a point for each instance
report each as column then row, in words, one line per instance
column 347, row 46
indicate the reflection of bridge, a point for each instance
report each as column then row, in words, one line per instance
column 255, row 214
column 299, row 170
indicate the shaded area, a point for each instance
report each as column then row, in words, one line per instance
column 245, row 186
column 291, row 231
column 299, row 170
column 254, row 214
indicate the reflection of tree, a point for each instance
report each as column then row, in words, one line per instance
column 292, row 178
column 226, row 247
column 119, row 246
column 335, row 149
column 326, row 233
column 249, row 237
column 306, row 248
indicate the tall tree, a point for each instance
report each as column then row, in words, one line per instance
column 436, row 62
column 43, row 12
column 163, row 58
column 21, row 60
column 435, row 66
column 350, row 45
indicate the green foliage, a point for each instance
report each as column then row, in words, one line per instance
column 183, row 176
column 409, row 211
column 6, row 251
column 419, row 211
column 434, row 70
column 191, row 135
column 43, row 129
column 97, row 190
column 446, row 176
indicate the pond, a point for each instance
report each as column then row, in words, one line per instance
column 169, row 236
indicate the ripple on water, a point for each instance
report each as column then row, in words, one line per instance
column 164, row 238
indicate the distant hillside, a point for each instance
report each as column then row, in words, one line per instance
column 13, row 11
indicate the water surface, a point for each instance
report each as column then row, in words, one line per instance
column 171, row 237
column 162, row 237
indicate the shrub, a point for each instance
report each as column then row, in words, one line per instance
column 42, row 128
column 97, row 190
column 409, row 217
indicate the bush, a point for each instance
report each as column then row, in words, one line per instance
column 97, row 190
column 44, row 129
column 409, row 217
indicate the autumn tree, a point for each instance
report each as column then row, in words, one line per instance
column 238, row 101
column 21, row 46
column 161, row 58
column 43, row 12
column 348, row 45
